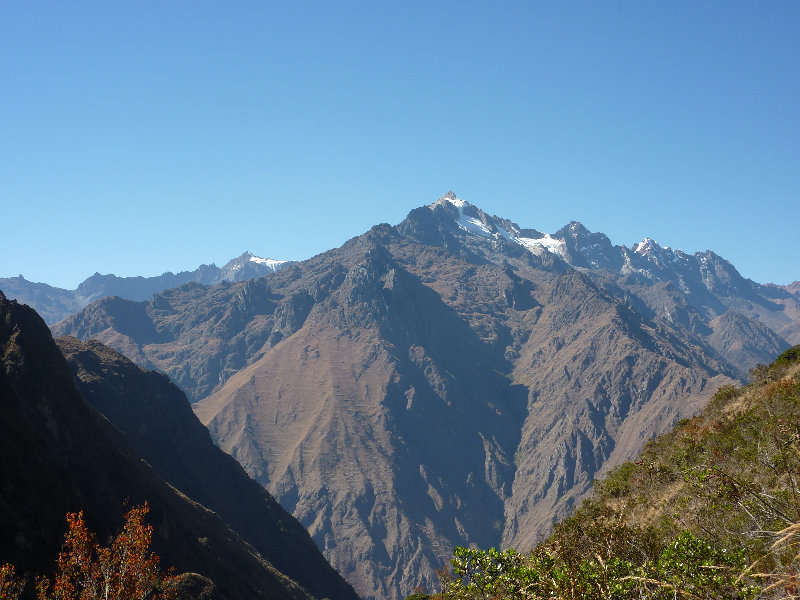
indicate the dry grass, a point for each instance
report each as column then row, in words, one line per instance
column 783, row 581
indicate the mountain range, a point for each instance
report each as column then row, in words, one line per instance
column 455, row 379
column 54, row 304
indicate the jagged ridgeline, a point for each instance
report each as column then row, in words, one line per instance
column 54, row 304
column 710, row 509
column 453, row 380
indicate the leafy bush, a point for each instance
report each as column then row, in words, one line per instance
column 11, row 585
column 85, row 570
column 688, row 567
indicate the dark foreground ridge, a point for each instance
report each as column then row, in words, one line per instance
column 64, row 454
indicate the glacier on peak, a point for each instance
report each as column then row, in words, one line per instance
column 547, row 242
column 651, row 250
column 484, row 227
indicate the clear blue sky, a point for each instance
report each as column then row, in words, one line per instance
column 140, row 137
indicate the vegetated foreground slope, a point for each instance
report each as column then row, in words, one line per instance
column 728, row 476
column 729, row 473
column 61, row 455
column 452, row 380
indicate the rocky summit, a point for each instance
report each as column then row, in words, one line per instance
column 455, row 379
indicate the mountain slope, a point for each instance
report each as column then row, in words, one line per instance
column 731, row 468
column 157, row 421
column 342, row 435
column 61, row 455
column 52, row 303
column 728, row 475
column 603, row 381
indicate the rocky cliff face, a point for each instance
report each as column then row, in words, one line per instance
column 601, row 381
column 455, row 379
column 61, row 454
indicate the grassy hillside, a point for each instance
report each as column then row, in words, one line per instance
column 709, row 510
column 729, row 474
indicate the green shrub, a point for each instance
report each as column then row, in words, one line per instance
column 787, row 357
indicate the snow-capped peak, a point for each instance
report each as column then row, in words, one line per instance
column 645, row 246
column 252, row 264
column 249, row 256
column 573, row 243
column 452, row 199
column 473, row 220
column 659, row 255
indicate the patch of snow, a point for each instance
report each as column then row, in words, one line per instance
column 473, row 225
column 645, row 246
column 269, row 262
column 547, row 242
column 505, row 234
column 468, row 223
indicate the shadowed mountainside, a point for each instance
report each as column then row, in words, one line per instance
column 158, row 422
column 61, row 455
